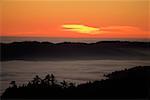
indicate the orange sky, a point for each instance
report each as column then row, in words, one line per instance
column 75, row 18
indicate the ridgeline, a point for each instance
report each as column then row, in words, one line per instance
column 32, row 50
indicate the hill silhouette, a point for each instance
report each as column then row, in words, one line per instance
column 32, row 50
column 131, row 83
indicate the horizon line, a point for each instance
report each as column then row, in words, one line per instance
column 68, row 37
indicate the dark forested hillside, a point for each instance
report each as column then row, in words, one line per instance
column 32, row 50
column 131, row 83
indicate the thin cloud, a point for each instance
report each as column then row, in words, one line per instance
column 107, row 31
column 120, row 28
column 81, row 29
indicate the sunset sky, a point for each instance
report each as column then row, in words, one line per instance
column 75, row 18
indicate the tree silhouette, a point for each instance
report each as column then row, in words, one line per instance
column 64, row 84
column 36, row 80
column 71, row 85
column 13, row 83
column 47, row 79
column 29, row 84
column 53, row 80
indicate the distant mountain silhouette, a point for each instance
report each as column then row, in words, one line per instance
column 131, row 83
column 32, row 50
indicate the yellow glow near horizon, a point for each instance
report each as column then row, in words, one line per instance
column 81, row 29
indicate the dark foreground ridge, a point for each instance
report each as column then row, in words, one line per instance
column 128, row 83
column 32, row 50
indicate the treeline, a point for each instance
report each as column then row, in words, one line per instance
column 32, row 50
column 131, row 83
